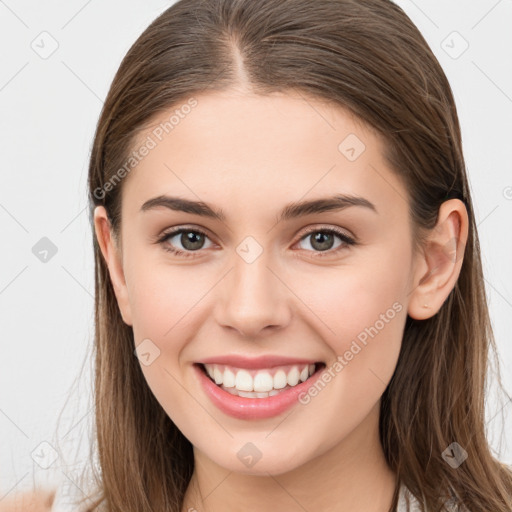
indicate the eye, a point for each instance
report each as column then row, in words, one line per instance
column 191, row 240
column 323, row 241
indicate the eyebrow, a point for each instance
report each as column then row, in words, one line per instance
column 290, row 211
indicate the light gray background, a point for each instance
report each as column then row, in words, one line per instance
column 49, row 108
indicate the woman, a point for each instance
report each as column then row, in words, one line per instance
column 290, row 307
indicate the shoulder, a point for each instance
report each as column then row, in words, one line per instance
column 29, row 501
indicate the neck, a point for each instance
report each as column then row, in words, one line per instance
column 351, row 476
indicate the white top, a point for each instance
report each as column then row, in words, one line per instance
column 408, row 503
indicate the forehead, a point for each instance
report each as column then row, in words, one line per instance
column 240, row 149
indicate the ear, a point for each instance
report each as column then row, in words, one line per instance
column 438, row 265
column 113, row 257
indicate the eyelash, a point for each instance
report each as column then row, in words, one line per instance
column 347, row 241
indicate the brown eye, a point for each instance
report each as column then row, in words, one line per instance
column 323, row 240
column 191, row 240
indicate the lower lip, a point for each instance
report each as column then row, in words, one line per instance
column 253, row 408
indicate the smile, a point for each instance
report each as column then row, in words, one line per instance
column 252, row 394
column 258, row 383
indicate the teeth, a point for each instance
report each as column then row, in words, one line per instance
column 243, row 381
column 217, row 376
column 252, row 394
column 280, row 380
column 258, row 383
column 228, row 378
column 263, row 381
column 293, row 376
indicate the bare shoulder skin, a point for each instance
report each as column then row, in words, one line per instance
column 40, row 500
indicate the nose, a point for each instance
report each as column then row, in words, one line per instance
column 253, row 298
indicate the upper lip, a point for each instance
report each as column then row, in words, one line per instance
column 264, row 361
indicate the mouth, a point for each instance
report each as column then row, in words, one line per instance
column 259, row 383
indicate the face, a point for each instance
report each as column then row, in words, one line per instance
column 311, row 285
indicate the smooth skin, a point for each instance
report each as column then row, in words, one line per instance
column 36, row 500
column 250, row 156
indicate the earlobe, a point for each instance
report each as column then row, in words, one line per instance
column 438, row 266
column 113, row 258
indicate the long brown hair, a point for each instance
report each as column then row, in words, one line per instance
column 366, row 56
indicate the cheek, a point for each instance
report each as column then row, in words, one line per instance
column 163, row 298
column 360, row 313
column 166, row 310
column 360, row 309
